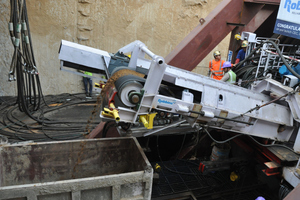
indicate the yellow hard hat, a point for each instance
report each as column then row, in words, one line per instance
column 216, row 53
column 244, row 43
column 237, row 36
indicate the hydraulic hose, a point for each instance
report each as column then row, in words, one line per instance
column 279, row 53
column 283, row 59
column 23, row 62
column 248, row 56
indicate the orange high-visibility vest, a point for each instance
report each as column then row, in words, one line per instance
column 216, row 67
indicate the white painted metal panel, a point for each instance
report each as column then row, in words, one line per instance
column 84, row 55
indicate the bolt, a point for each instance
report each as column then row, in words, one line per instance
column 135, row 98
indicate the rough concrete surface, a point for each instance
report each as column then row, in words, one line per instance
column 103, row 24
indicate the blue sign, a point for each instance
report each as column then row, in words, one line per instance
column 287, row 28
column 166, row 101
column 229, row 57
column 288, row 19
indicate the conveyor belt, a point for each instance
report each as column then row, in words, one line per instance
column 111, row 81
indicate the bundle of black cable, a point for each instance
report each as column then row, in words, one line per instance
column 23, row 67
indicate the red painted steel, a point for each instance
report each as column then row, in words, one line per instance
column 211, row 31
column 96, row 133
column 197, row 44
column 274, row 2
column 259, row 18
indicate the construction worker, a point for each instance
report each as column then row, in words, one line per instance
column 242, row 52
column 88, row 81
column 229, row 76
column 215, row 66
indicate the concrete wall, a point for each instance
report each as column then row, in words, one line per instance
column 104, row 24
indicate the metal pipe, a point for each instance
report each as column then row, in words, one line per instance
column 161, row 129
column 147, row 51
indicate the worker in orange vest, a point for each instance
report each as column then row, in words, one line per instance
column 215, row 66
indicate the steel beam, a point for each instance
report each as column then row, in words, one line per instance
column 200, row 41
column 273, row 2
column 259, row 18
column 228, row 15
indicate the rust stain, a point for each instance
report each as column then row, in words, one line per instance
column 79, row 158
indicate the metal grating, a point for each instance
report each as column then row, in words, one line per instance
column 178, row 177
column 174, row 178
column 165, row 189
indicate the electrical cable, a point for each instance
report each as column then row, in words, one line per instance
column 260, row 106
column 65, row 138
column 181, row 146
column 220, row 142
column 21, row 129
column 264, row 145
column 177, row 172
column 248, row 56
column 23, row 63
column 273, row 145
column 283, row 192
column 270, row 145
column 283, row 59
column 182, row 173
column 248, row 73
column 242, row 70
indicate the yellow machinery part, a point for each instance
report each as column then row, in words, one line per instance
column 157, row 167
column 148, row 120
column 114, row 112
column 237, row 36
column 111, row 113
column 234, row 176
